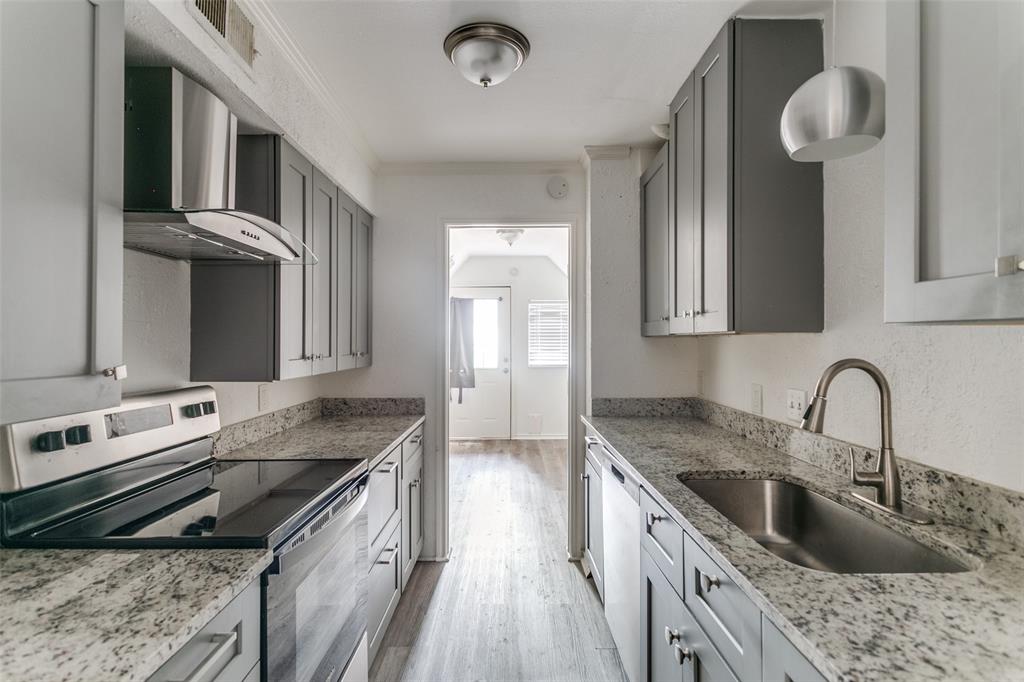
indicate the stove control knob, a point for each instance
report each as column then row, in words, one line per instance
column 78, row 435
column 194, row 410
column 50, row 441
column 209, row 407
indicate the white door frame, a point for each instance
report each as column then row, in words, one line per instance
column 577, row 372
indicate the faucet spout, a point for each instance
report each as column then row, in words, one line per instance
column 886, row 478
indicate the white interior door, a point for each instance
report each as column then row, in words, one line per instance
column 486, row 410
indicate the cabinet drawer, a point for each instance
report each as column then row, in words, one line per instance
column 413, row 444
column 663, row 539
column 781, row 659
column 384, row 587
column 225, row 650
column 729, row 618
column 705, row 663
column 384, row 497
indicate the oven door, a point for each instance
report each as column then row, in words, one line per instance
column 316, row 594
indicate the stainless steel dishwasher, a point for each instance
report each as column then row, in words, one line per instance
column 622, row 582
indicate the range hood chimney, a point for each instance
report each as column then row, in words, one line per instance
column 179, row 176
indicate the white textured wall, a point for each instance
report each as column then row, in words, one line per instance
column 958, row 389
column 540, row 391
column 274, row 96
column 157, row 343
column 624, row 364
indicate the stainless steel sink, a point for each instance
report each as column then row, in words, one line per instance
column 810, row 530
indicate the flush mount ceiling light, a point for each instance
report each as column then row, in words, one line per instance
column 509, row 234
column 486, row 54
column 838, row 112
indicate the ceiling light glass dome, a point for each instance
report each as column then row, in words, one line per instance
column 486, row 54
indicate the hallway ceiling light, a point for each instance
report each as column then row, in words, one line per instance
column 509, row 234
column 486, row 54
column 836, row 113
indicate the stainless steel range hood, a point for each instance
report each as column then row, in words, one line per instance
column 179, row 177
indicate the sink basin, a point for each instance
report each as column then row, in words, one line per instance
column 810, row 530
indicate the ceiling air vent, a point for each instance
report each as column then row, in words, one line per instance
column 230, row 22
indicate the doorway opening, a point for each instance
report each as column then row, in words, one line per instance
column 508, row 375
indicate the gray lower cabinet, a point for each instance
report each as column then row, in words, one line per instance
column 412, row 507
column 384, row 499
column 746, row 232
column 663, row 539
column 226, row 650
column 261, row 323
column 61, row 247
column 654, row 245
column 781, row 661
column 593, row 529
column 384, row 587
column 674, row 647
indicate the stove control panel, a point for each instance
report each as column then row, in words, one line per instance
column 47, row 450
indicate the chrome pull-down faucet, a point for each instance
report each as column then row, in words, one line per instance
column 885, row 479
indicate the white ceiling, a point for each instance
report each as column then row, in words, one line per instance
column 599, row 71
column 550, row 242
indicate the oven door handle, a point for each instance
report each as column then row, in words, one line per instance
column 306, row 533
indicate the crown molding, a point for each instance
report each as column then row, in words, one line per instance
column 263, row 14
column 607, row 152
column 480, row 168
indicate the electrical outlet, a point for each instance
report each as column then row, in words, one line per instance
column 263, row 397
column 757, row 398
column 796, row 403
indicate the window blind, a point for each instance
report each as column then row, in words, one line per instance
column 548, row 332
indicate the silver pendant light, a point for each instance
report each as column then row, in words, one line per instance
column 836, row 113
column 486, row 54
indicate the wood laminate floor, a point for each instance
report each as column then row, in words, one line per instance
column 508, row 605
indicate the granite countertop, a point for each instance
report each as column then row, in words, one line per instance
column 333, row 438
column 952, row 626
column 111, row 615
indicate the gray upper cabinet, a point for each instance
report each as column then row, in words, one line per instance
column 325, row 274
column 61, row 253
column 362, row 315
column 954, row 162
column 654, row 239
column 747, row 221
column 682, row 208
column 265, row 322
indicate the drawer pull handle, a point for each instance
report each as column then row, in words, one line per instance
column 415, row 440
column 653, row 518
column 682, row 653
column 584, row 477
column 390, row 559
column 672, row 636
column 387, row 467
column 213, row 664
column 710, row 581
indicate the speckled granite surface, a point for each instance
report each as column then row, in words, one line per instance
column 372, row 407
column 956, row 626
column 961, row 500
column 110, row 615
column 332, row 438
column 234, row 436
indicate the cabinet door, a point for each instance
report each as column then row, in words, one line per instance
column 682, row 235
column 61, row 108
column 654, row 228
column 661, row 622
column 363, row 289
column 412, row 514
column 713, row 247
column 295, row 282
column 593, row 534
column 345, row 258
column 954, row 161
column 325, row 274
column 781, row 659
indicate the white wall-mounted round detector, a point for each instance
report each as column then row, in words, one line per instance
column 558, row 187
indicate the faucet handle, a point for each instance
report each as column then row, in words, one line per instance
column 872, row 478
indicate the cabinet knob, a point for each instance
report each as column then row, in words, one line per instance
column 117, row 373
column 672, row 636
column 584, row 477
column 710, row 581
column 653, row 518
column 687, row 313
column 414, row 483
column 682, row 653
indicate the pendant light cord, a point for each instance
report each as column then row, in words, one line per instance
column 835, row 10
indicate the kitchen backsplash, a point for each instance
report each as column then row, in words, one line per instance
column 372, row 407
column 961, row 500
